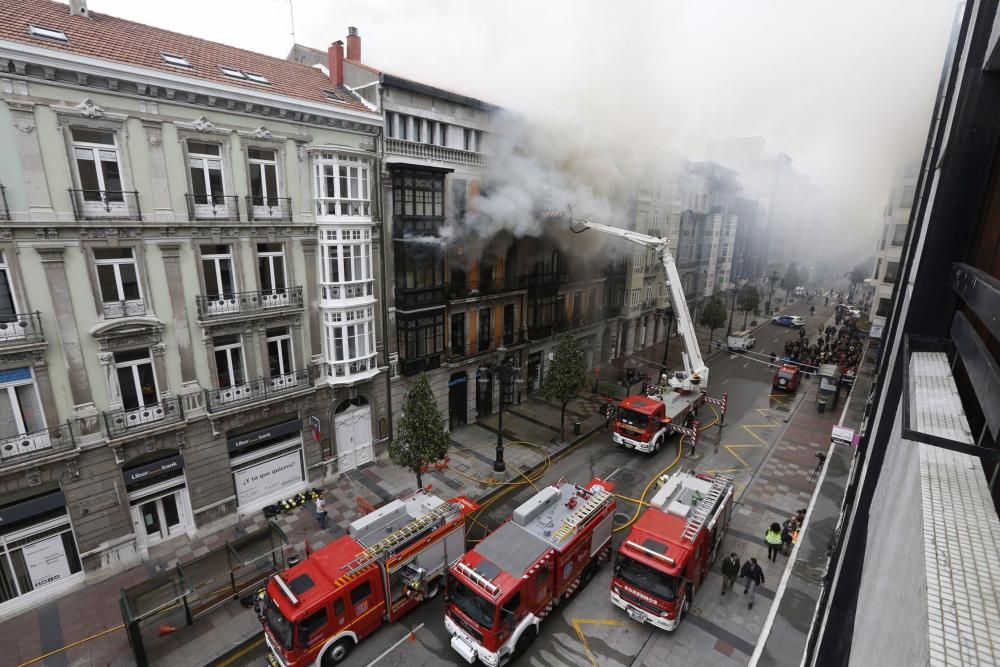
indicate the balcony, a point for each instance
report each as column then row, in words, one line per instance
column 213, row 207
column 410, row 367
column 131, row 420
column 419, row 297
column 4, row 210
column 268, row 209
column 472, row 288
column 220, row 306
column 489, row 346
column 126, row 308
column 29, row 446
column 105, row 205
column 432, row 152
column 337, row 292
column 21, row 329
column 256, row 391
column 348, row 371
column 361, row 209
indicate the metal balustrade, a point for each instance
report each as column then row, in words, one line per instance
column 266, row 209
column 127, row 420
column 20, row 329
column 261, row 389
column 28, row 446
column 242, row 303
column 105, row 205
column 213, row 207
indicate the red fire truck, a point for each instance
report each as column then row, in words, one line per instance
column 390, row 560
column 498, row 593
column 669, row 550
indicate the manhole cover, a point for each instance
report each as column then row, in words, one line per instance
column 627, row 477
column 621, row 517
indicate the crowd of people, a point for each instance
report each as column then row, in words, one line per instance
column 841, row 344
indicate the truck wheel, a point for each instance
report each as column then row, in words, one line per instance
column 338, row 652
column 657, row 445
column 433, row 588
column 524, row 641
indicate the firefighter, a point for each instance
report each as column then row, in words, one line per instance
column 773, row 539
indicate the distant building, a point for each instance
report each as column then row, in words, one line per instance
column 889, row 249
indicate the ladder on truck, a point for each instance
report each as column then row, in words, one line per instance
column 401, row 536
column 704, row 509
column 581, row 513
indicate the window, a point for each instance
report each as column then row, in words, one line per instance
column 95, row 153
column 458, row 333
column 338, row 607
column 279, row 352
column 175, row 60
column 8, row 304
column 485, row 329
column 343, row 185
column 899, row 235
column 891, row 269
column 508, row 324
column 361, row 592
column 257, row 78
column 390, row 120
column 421, row 337
column 350, row 336
column 136, row 381
column 229, row 365
column 470, row 139
column 263, row 177
column 205, row 163
column 118, row 281
column 310, row 625
column 907, row 199
column 233, row 73
column 217, row 265
column 47, row 33
column 418, row 193
column 20, row 407
column 403, row 126
column 635, row 297
column 884, row 306
column 418, row 126
column 271, row 267
column 22, row 559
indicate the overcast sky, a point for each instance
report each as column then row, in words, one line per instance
column 844, row 87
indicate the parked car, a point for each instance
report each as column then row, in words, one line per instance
column 740, row 341
column 788, row 321
column 787, row 377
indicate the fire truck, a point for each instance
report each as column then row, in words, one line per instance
column 669, row 550
column 643, row 423
column 498, row 593
column 391, row 559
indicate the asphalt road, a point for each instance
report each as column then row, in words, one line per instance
column 589, row 630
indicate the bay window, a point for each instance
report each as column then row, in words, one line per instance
column 421, row 340
column 343, row 185
column 346, row 263
column 349, row 341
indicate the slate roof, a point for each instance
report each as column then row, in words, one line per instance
column 118, row 40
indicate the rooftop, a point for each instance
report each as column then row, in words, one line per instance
column 109, row 38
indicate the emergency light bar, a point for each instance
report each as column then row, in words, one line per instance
column 652, row 553
column 286, row 590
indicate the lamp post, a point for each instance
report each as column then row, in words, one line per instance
column 669, row 314
column 773, row 279
column 503, row 374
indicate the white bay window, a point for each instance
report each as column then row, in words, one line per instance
column 342, row 186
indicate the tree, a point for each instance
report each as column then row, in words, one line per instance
column 713, row 316
column 567, row 375
column 747, row 300
column 421, row 437
column 793, row 277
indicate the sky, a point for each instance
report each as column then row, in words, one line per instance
column 844, row 87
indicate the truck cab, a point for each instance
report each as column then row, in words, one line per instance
column 640, row 423
column 787, row 377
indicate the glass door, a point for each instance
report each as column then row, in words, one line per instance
column 161, row 518
column 151, row 524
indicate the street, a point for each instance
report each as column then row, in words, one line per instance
column 589, row 630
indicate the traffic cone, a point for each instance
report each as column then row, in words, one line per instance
column 411, row 637
column 166, row 629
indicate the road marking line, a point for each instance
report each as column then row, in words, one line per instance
column 725, row 381
column 393, row 647
column 746, row 364
column 617, row 470
column 577, row 622
column 243, row 651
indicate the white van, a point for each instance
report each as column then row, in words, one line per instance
column 740, row 341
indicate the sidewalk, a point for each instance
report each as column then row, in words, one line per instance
column 90, row 620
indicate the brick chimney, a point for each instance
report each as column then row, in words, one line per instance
column 353, row 45
column 335, row 61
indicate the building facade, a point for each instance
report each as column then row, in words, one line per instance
column 889, row 250
column 177, row 211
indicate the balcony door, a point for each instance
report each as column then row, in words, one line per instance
column 271, row 271
column 136, row 379
column 281, row 364
column 8, row 305
column 264, row 195
column 205, row 166
column 22, row 422
column 220, row 282
column 98, row 168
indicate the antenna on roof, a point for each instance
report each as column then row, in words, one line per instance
column 291, row 13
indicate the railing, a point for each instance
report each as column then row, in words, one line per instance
column 487, row 346
column 105, row 204
column 426, row 363
column 261, row 389
column 432, row 152
column 420, row 296
column 539, row 331
column 346, row 370
column 125, row 308
column 461, row 290
column 347, row 290
column 213, row 207
column 242, row 303
column 269, row 208
column 21, row 328
column 27, row 446
column 130, row 420
column 4, row 210
column 348, row 208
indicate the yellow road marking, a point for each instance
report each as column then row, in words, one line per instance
column 243, row 651
column 577, row 622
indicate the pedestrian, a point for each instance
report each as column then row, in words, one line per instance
column 773, row 540
column 753, row 576
column 730, row 570
column 786, row 536
column 321, row 514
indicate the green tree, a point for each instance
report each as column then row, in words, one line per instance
column 748, row 300
column 421, row 437
column 567, row 375
column 713, row 316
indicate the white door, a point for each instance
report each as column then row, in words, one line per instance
column 354, row 437
column 160, row 518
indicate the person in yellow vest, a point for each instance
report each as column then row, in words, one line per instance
column 773, row 539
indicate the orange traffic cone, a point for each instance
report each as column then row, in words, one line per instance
column 167, row 629
column 411, row 637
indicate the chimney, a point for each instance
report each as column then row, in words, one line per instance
column 78, row 8
column 335, row 61
column 353, row 45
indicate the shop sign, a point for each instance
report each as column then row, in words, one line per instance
column 161, row 468
column 843, row 436
column 461, row 379
column 15, row 375
column 876, row 331
column 46, row 561
column 263, row 435
column 267, row 479
column 41, row 504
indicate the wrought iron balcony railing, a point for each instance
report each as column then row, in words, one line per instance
column 213, row 207
column 264, row 209
column 21, row 328
column 488, row 345
column 129, row 420
column 27, row 446
column 261, row 389
column 105, row 205
column 243, row 303
column 462, row 290
column 426, row 363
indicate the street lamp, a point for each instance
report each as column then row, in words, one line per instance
column 669, row 315
column 504, row 372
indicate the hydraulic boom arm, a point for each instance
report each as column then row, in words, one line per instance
column 694, row 365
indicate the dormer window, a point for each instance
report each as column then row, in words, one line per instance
column 233, row 73
column 47, row 33
column 175, row 60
